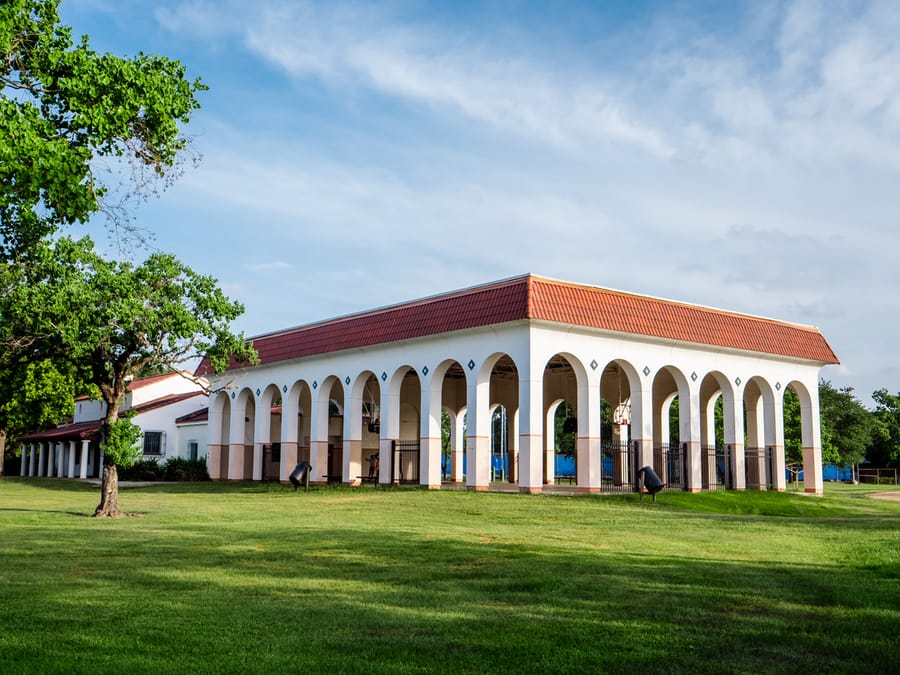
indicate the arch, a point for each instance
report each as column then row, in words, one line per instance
column 565, row 379
column 219, row 425
column 447, row 395
column 810, row 436
column 618, row 407
column 267, row 448
column 241, row 441
column 671, row 448
column 296, row 426
column 717, row 432
column 362, row 429
column 401, row 423
column 497, row 381
column 327, row 431
column 763, row 449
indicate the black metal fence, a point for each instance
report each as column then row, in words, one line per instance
column 716, row 469
column 617, row 466
column 405, row 462
column 759, row 468
column 669, row 464
column 271, row 462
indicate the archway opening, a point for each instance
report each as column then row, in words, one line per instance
column 618, row 461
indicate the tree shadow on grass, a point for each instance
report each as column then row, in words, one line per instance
column 378, row 600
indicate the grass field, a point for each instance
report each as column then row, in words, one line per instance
column 255, row 578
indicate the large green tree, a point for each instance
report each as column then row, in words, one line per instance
column 64, row 108
column 885, row 449
column 68, row 115
column 846, row 425
column 115, row 320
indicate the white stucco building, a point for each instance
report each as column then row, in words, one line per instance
column 337, row 392
column 165, row 407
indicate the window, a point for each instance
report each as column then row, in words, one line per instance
column 193, row 446
column 154, row 442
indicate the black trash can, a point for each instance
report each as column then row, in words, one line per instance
column 300, row 475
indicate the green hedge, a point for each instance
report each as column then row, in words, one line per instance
column 174, row 469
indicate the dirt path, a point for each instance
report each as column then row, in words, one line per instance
column 886, row 495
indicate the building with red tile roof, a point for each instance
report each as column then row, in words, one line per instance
column 513, row 354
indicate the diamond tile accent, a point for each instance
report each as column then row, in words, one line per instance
column 315, row 384
column 383, row 376
column 347, row 380
column 594, row 364
column 694, row 376
column 284, row 389
column 646, row 371
column 257, row 391
column 233, row 394
column 425, row 370
column 471, row 364
column 737, row 381
column 778, row 386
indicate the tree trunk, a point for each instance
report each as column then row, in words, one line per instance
column 109, row 493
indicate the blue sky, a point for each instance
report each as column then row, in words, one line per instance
column 739, row 155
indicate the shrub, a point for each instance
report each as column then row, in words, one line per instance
column 180, row 469
column 142, row 469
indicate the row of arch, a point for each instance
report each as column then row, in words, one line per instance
column 433, row 426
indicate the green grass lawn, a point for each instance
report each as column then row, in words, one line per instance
column 255, row 578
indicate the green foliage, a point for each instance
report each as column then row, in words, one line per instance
column 62, row 107
column 143, row 470
column 174, row 469
column 846, row 425
column 180, row 469
column 886, row 429
column 121, row 441
column 793, row 442
column 566, row 441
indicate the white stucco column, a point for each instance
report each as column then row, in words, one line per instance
column 775, row 440
column 430, row 435
column 85, row 445
column 531, row 433
column 32, row 465
column 71, row 472
column 42, row 458
column 642, row 426
column 691, row 424
column 588, row 463
column 549, row 429
column 733, row 419
column 812, row 443
column 290, row 415
column 478, row 447
column 236, row 427
column 318, row 444
column 22, row 462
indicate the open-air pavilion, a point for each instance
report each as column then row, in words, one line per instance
column 373, row 385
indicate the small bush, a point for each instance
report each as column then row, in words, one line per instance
column 180, row 469
column 143, row 469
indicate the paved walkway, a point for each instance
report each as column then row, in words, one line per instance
column 886, row 495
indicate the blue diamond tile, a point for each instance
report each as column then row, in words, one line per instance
column 594, row 364
column 257, row 391
column 383, row 376
column 694, row 376
column 778, row 386
column 347, row 380
column 737, row 381
column 315, row 384
column 646, row 371
column 471, row 364
column 284, row 389
column 425, row 370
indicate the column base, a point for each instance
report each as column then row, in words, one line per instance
column 477, row 488
column 813, row 491
column 589, row 490
column 530, row 490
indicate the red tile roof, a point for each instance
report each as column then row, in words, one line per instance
column 91, row 429
column 539, row 298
